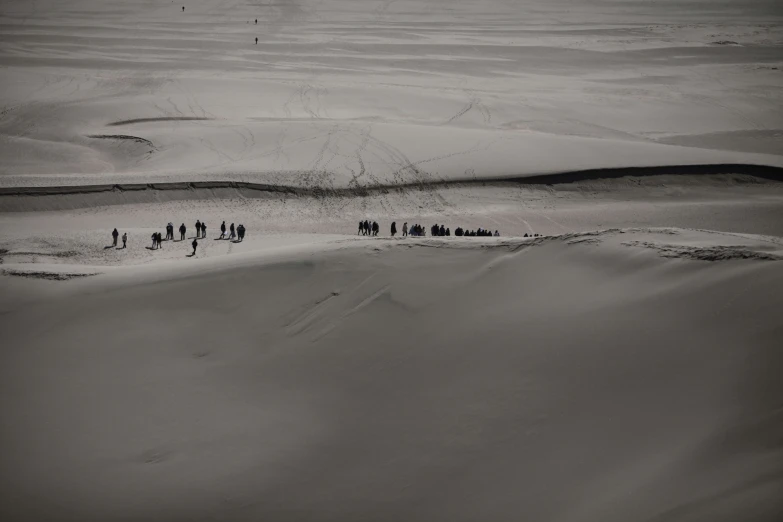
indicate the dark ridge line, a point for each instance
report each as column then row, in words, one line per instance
column 163, row 118
column 121, row 137
column 759, row 171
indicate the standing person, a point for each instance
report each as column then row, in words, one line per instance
column 154, row 241
column 203, row 230
column 256, row 40
column 232, row 231
column 198, row 228
column 182, row 231
column 194, row 244
column 442, row 231
column 241, row 231
column 256, row 21
column 405, row 229
column 497, row 234
column 183, row 8
column 124, row 239
column 114, row 236
column 160, row 239
column 223, row 230
column 375, row 228
column 393, row 228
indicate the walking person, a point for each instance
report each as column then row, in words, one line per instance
column 182, row 231
column 241, row 232
column 375, row 228
column 160, row 239
column 124, row 239
column 203, row 230
column 361, row 228
column 194, row 244
column 232, row 231
column 405, row 229
column 154, row 241
column 223, row 230
column 393, row 228
column 114, row 236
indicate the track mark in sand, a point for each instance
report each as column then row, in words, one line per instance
column 460, row 113
column 304, row 320
column 162, row 118
column 121, row 137
column 365, row 303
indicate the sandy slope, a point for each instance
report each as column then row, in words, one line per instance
column 574, row 379
column 341, row 92
column 623, row 368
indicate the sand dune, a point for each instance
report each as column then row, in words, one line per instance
column 622, row 366
column 384, row 380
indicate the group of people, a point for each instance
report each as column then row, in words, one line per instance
column 416, row 230
column 115, row 234
column 370, row 229
column 475, row 233
column 232, row 233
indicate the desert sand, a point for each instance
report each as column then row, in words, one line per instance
column 622, row 365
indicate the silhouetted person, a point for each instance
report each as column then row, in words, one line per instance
column 393, row 228
column 375, row 228
column 256, row 24
column 497, row 234
column 442, row 231
column 223, row 230
column 114, row 236
column 203, row 230
column 448, row 232
column 241, row 232
column 405, row 229
column 124, row 239
column 183, row 8
column 154, row 240
column 233, row 232
column 182, row 231
column 194, row 244
column 160, row 239
column 198, row 228
column 256, row 40
column 361, row 228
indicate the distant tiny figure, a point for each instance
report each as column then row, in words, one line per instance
column 154, row 241
column 256, row 24
column 170, row 231
column 124, row 239
column 195, row 245
column 198, row 228
column 241, row 232
column 256, row 40
column 442, row 231
column 183, row 8
column 405, row 229
column 114, row 236
column 393, row 228
column 375, row 228
column 448, row 232
column 182, row 231
column 203, row 229
column 223, row 230
column 232, row 231
column 160, row 239
column 497, row 234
